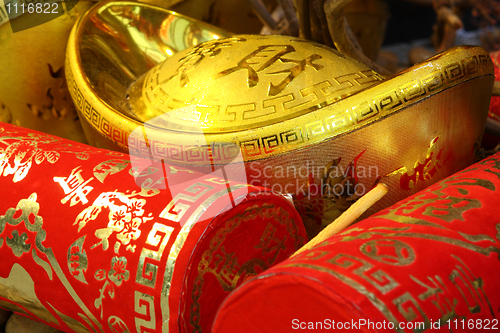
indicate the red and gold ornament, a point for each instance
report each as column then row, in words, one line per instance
column 85, row 248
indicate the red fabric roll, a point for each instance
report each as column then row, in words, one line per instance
column 84, row 248
column 429, row 261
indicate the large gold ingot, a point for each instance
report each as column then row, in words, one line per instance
column 302, row 115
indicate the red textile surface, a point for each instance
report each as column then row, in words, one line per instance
column 83, row 247
column 431, row 260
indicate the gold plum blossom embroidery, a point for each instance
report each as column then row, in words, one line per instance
column 18, row 157
column 116, row 275
column 17, row 151
column 124, row 218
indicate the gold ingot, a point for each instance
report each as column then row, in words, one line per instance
column 302, row 115
column 33, row 91
column 245, row 82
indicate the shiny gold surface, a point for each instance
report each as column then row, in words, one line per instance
column 120, row 41
column 246, row 89
column 292, row 108
column 245, row 82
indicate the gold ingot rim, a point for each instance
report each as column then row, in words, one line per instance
column 423, row 80
column 87, row 100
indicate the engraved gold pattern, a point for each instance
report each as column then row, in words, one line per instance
column 388, row 97
column 275, row 62
column 334, row 123
column 190, row 61
column 277, row 53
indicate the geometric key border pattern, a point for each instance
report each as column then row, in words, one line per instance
column 291, row 138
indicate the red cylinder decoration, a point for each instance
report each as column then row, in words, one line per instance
column 83, row 247
column 430, row 261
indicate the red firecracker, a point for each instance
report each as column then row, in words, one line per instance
column 92, row 240
column 430, row 261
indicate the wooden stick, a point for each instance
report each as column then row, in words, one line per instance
column 348, row 217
